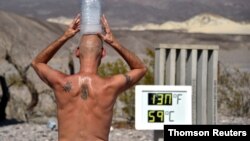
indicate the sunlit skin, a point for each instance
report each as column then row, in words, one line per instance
column 85, row 100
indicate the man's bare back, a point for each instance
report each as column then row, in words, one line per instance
column 85, row 100
column 85, row 107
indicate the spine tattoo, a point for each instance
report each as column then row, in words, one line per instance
column 85, row 92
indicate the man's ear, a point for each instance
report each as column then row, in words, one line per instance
column 104, row 52
column 77, row 52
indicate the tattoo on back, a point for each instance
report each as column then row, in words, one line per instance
column 85, row 92
column 67, row 87
column 128, row 79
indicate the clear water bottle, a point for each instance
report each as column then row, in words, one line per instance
column 91, row 12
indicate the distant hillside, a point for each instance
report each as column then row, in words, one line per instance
column 21, row 39
column 203, row 23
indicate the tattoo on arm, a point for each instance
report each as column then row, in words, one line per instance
column 67, row 87
column 128, row 79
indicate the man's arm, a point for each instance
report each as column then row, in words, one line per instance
column 46, row 73
column 138, row 69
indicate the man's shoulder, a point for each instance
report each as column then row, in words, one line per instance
column 114, row 80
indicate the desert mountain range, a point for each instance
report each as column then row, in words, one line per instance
column 202, row 23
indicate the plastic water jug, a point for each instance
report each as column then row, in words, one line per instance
column 91, row 12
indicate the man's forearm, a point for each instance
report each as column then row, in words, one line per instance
column 133, row 61
column 45, row 55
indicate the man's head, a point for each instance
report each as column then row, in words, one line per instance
column 90, row 48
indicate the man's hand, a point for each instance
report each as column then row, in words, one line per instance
column 108, row 37
column 74, row 27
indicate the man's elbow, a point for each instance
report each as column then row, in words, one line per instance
column 34, row 64
column 144, row 70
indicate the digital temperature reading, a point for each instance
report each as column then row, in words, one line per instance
column 155, row 116
column 160, row 99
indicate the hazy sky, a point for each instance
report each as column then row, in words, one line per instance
column 127, row 12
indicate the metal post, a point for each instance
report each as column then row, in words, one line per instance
column 181, row 67
column 170, row 66
column 201, row 98
column 212, row 87
column 160, row 59
column 191, row 72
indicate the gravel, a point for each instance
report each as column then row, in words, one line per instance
column 40, row 132
column 14, row 131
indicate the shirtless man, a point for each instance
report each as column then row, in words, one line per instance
column 85, row 100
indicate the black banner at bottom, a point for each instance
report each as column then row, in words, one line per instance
column 171, row 131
